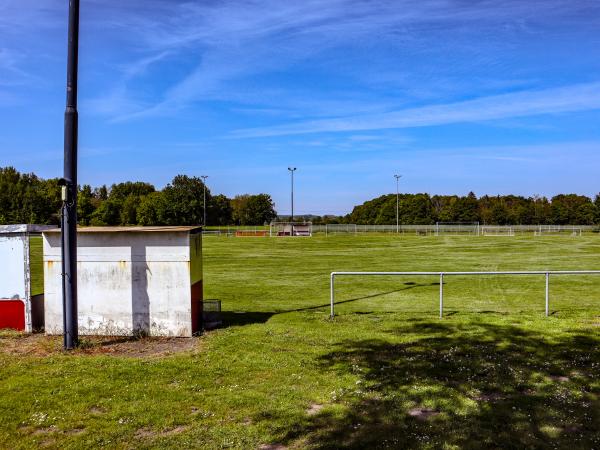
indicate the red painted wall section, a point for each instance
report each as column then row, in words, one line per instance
column 12, row 314
column 197, row 295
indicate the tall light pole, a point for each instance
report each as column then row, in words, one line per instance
column 397, row 202
column 69, row 187
column 204, row 177
column 292, row 170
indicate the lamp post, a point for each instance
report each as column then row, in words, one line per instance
column 292, row 170
column 397, row 202
column 204, row 177
column 69, row 187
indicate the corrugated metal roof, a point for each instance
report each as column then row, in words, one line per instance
column 165, row 229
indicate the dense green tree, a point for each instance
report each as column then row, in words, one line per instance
column 466, row 209
column 85, row 205
column 128, row 213
column 220, row 211
column 253, row 209
column 572, row 209
column 183, row 201
column 121, row 191
column 108, row 213
column 444, row 205
column 239, row 208
column 26, row 198
column 150, row 209
column 261, row 209
column 101, row 193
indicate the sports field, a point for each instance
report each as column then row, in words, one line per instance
column 386, row 372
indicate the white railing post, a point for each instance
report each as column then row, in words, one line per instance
column 547, row 293
column 331, row 287
column 441, row 295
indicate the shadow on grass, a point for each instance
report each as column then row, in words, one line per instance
column 233, row 318
column 479, row 385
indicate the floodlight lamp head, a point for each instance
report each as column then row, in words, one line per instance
column 291, row 169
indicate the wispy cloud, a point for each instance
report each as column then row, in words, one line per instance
column 226, row 42
column 581, row 97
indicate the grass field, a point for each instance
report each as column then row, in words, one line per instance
column 36, row 265
column 385, row 373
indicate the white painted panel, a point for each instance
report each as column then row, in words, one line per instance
column 124, row 246
column 12, row 267
column 127, row 282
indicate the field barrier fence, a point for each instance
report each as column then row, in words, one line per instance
column 420, row 230
column 456, row 229
column 441, row 276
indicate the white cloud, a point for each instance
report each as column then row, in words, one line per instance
column 580, row 97
column 227, row 41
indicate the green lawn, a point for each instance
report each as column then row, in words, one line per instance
column 36, row 265
column 494, row 373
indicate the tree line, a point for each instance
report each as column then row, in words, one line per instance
column 423, row 209
column 27, row 198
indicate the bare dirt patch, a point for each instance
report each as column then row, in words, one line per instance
column 423, row 413
column 272, row 447
column 144, row 433
column 46, row 430
column 42, row 345
column 489, row 397
column 97, row 410
column 314, row 409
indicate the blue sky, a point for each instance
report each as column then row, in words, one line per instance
column 495, row 96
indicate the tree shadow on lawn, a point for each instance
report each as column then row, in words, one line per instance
column 477, row 385
column 240, row 318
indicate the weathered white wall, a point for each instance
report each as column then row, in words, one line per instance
column 127, row 282
column 12, row 267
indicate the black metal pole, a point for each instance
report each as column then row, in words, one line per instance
column 69, row 209
column 292, row 170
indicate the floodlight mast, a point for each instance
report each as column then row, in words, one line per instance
column 204, row 177
column 397, row 203
column 69, row 183
column 292, row 170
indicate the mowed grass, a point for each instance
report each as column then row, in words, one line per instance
column 36, row 258
column 386, row 372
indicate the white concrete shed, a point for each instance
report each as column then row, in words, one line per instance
column 21, row 284
column 130, row 280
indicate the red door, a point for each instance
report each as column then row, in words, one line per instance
column 12, row 314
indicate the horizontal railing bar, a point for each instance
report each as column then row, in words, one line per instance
column 547, row 273
column 520, row 272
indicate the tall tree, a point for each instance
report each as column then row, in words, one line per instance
column 183, row 201
column 85, row 204
column 220, row 211
column 253, row 209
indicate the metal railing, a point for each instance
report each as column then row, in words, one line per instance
column 547, row 274
column 445, row 229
